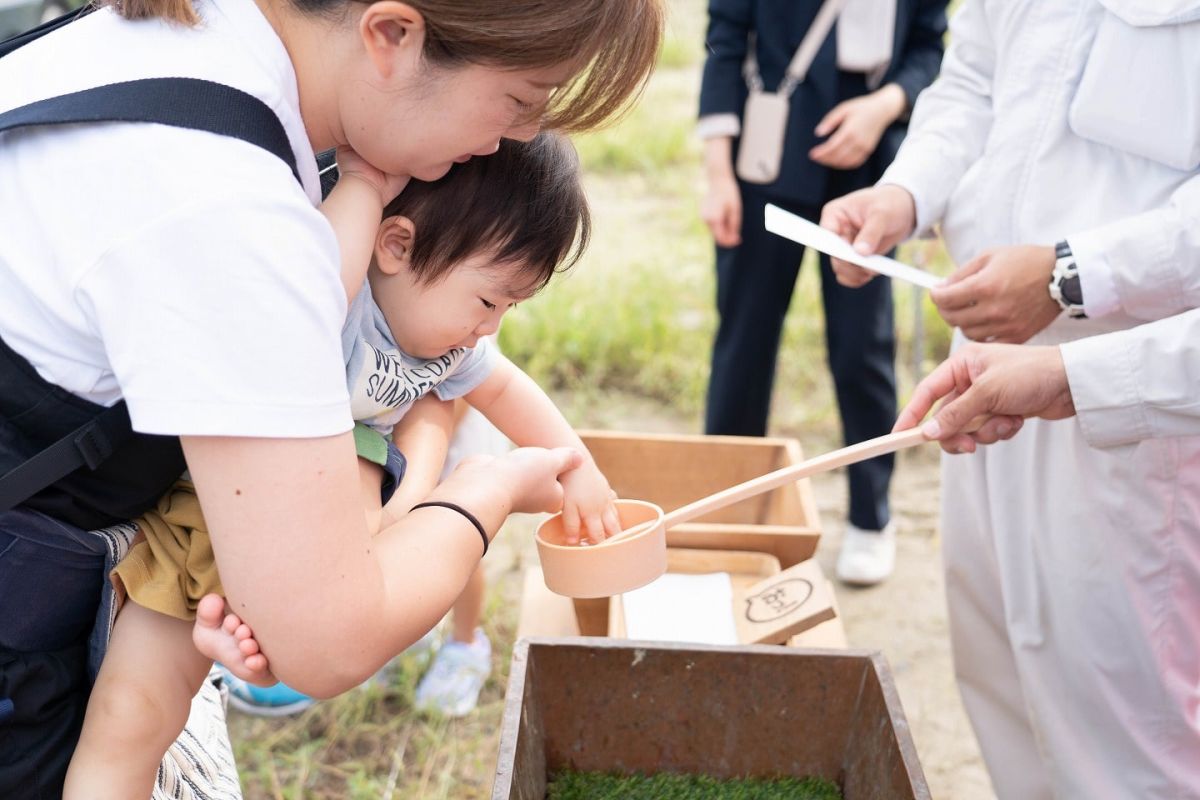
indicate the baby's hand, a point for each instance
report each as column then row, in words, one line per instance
column 351, row 164
column 588, row 508
column 225, row 638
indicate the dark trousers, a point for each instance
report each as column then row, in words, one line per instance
column 51, row 576
column 754, row 288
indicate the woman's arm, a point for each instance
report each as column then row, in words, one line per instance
column 327, row 601
column 722, row 86
column 722, row 93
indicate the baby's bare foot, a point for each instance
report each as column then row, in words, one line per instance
column 225, row 638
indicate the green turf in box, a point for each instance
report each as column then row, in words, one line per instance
column 571, row 785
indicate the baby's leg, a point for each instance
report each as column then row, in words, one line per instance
column 138, row 706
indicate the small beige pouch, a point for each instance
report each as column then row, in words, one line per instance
column 764, row 121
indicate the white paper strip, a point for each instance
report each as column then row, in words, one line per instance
column 798, row 229
column 682, row 608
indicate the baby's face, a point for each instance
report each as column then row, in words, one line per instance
column 429, row 320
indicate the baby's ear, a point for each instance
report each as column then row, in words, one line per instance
column 393, row 245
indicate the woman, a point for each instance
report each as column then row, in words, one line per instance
column 203, row 290
column 845, row 121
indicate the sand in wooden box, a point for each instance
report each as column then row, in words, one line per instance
column 596, row 704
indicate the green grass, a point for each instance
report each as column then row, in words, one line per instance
column 599, row 786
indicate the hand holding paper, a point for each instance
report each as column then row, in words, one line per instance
column 798, row 229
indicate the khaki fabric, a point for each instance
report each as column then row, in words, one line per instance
column 171, row 564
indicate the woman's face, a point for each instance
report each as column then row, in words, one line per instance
column 409, row 117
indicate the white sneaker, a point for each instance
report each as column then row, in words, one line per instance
column 867, row 557
column 453, row 683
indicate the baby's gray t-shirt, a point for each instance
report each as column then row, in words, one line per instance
column 384, row 381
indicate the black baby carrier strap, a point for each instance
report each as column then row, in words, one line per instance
column 59, row 454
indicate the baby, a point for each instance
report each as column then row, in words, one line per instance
column 450, row 258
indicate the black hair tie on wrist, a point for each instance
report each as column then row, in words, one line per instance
column 454, row 507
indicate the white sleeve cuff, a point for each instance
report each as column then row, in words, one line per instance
column 1102, row 375
column 1096, row 281
column 912, row 172
column 713, row 126
column 924, row 227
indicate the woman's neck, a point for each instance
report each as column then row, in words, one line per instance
column 313, row 45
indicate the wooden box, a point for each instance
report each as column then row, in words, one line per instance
column 673, row 470
column 753, row 710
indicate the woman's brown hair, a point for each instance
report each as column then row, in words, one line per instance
column 613, row 42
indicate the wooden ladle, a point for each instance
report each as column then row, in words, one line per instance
column 638, row 554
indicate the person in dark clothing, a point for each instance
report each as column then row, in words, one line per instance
column 845, row 122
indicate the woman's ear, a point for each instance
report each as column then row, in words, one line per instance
column 393, row 245
column 391, row 30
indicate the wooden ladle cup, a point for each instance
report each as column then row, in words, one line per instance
column 638, row 554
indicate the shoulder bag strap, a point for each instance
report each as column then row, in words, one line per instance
column 797, row 70
column 179, row 102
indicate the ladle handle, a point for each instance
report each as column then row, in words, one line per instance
column 781, row 477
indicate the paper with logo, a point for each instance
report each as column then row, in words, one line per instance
column 798, row 229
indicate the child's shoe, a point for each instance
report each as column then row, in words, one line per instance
column 453, row 683
column 263, row 701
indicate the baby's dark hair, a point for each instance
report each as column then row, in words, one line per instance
column 525, row 202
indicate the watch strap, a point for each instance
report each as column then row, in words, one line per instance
column 1064, row 285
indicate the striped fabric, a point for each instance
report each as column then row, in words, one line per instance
column 199, row 766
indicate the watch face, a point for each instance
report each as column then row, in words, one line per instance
column 1071, row 290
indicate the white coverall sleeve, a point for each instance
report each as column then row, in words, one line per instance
column 951, row 120
column 1147, row 265
column 1139, row 383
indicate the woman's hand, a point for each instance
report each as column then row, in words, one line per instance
column 352, row 165
column 721, row 208
column 875, row 220
column 855, row 126
column 1005, row 382
column 526, row 478
column 588, row 508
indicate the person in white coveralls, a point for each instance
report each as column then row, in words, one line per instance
column 1058, row 151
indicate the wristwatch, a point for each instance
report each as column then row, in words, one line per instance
column 1064, row 282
